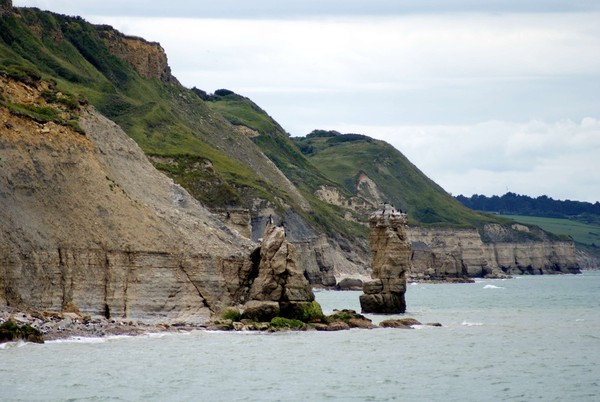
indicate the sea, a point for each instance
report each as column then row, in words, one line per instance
column 529, row 338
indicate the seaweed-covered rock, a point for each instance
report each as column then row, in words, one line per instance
column 351, row 318
column 261, row 311
column 11, row 331
column 303, row 311
column 399, row 323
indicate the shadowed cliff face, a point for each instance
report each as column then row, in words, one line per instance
column 88, row 225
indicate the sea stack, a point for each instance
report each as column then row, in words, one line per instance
column 279, row 286
column 391, row 263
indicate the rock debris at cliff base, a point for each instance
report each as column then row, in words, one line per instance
column 56, row 326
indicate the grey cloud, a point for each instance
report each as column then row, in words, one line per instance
column 303, row 9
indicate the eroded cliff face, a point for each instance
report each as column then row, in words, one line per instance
column 147, row 58
column 440, row 253
column 88, row 225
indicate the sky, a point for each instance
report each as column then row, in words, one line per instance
column 484, row 97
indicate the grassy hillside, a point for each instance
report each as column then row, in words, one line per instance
column 211, row 144
column 272, row 139
column 189, row 135
column 165, row 119
column 586, row 234
column 343, row 157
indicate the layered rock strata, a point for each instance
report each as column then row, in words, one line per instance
column 442, row 253
column 391, row 263
column 88, row 225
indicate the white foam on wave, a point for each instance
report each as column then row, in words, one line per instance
column 13, row 344
column 471, row 324
column 493, row 287
column 80, row 339
column 93, row 339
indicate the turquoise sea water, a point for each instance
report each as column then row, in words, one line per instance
column 525, row 339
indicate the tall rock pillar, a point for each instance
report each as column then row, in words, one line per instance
column 391, row 263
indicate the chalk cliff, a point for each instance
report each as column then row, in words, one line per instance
column 230, row 155
column 448, row 239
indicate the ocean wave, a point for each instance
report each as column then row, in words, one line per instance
column 13, row 344
column 493, row 287
column 80, row 339
column 471, row 324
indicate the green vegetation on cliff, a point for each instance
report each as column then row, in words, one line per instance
column 276, row 144
column 164, row 118
column 583, row 233
column 214, row 145
column 345, row 157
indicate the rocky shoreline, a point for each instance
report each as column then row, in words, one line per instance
column 61, row 326
column 55, row 325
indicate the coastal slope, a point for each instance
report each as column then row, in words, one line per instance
column 88, row 225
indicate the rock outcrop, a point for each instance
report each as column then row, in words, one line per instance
column 88, row 225
column 391, row 263
column 279, row 281
column 147, row 58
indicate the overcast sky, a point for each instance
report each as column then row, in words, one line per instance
column 483, row 96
